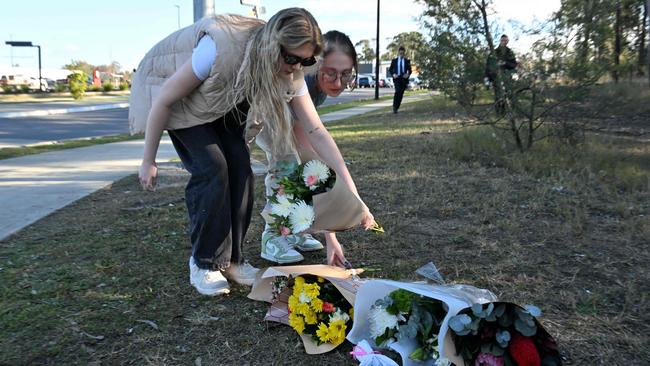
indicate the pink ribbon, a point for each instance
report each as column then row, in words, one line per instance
column 359, row 351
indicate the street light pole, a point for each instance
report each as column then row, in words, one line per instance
column 178, row 13
column 40, row 78
column 377, row 57
column 203, row 8
column 29, row 44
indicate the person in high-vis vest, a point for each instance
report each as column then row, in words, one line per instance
column 209, row 85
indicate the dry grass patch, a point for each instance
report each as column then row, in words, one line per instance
column 104, row 281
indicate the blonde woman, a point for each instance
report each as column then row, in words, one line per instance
column 200, row 84
column 333, row 74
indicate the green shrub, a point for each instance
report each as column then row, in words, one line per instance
column 60, row 87
column 9, row 88
column 107, row 86
column 24, row 89
column 124, row 86
column 78, row 85
column 95, row 88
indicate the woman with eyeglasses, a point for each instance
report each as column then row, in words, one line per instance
column 208, row 85
column 333, row 74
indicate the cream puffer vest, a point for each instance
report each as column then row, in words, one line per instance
column 209, row 101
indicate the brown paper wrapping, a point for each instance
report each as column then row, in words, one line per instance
column 336, row 210
column 341, row 278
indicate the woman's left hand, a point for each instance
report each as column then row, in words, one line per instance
column 335, row 256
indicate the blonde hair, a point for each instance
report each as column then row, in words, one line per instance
column 258, row 80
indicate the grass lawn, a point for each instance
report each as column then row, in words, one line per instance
column 105, row 280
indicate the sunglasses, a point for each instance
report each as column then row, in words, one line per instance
column 290, row 59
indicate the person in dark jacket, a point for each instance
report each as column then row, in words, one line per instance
column 400, row 68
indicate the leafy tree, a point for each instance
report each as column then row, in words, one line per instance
column 80, row 66
column 411, row 41
column 454, row 61
column 367, row 53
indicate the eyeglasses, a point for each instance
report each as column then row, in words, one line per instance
column 330, row 76
column 290, row 59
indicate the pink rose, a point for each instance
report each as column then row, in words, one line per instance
column 284, row 231
column 327, row 307
column 488, row 359
column 311, row 180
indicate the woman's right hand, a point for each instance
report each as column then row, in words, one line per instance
column 147, row 174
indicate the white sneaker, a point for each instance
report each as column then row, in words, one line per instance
column 208, row 282
column 243, row 274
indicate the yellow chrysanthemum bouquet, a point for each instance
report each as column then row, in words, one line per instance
column 317, row 308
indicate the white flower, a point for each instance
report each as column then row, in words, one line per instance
column 301, row 216
column 339, row 315
column 304, row 298
column 379, row 320
column 283, row 207
column 315, row 171
column 443, row 362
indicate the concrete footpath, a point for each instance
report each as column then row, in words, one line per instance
column 34, row 186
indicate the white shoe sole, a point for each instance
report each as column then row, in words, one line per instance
column 280, row 261
column 313, row 249
column 212, row 292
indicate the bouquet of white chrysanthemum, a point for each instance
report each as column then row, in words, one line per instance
column 306, row 198
column 291, row 204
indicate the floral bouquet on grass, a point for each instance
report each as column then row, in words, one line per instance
column 404, row 316
column 317, row 308
column 502, row 334
column 291, row 208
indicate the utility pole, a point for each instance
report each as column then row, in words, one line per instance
column 203, row 8
column 377, row 61
column 178, row 15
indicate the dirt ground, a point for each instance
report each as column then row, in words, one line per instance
column 104, row 281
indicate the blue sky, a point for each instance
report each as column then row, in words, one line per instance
column 101, row 31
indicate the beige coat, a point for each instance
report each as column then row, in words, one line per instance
column 209, row 101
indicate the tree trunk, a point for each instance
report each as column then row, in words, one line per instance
column 647, row 9
column 586, row 37
column 617, row 42
column 642, row 48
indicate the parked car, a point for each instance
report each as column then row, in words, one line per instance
column 366, row 81
column 414, row 83
column 389, row 82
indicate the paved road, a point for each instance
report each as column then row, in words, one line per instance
column 31, row 130
column 21, row 131
column 364, row 93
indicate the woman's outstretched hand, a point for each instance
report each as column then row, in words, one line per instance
column 147, row 174
column 335, row 256
column 368, row 221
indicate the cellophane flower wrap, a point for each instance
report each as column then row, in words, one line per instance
column 291, row 204
column 318, row 309
column 404, row 315
column 502, row 334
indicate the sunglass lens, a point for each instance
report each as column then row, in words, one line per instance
column 308, row 62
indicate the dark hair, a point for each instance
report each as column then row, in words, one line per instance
column 401, row 48
column 338, row 41
column 504, row 35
